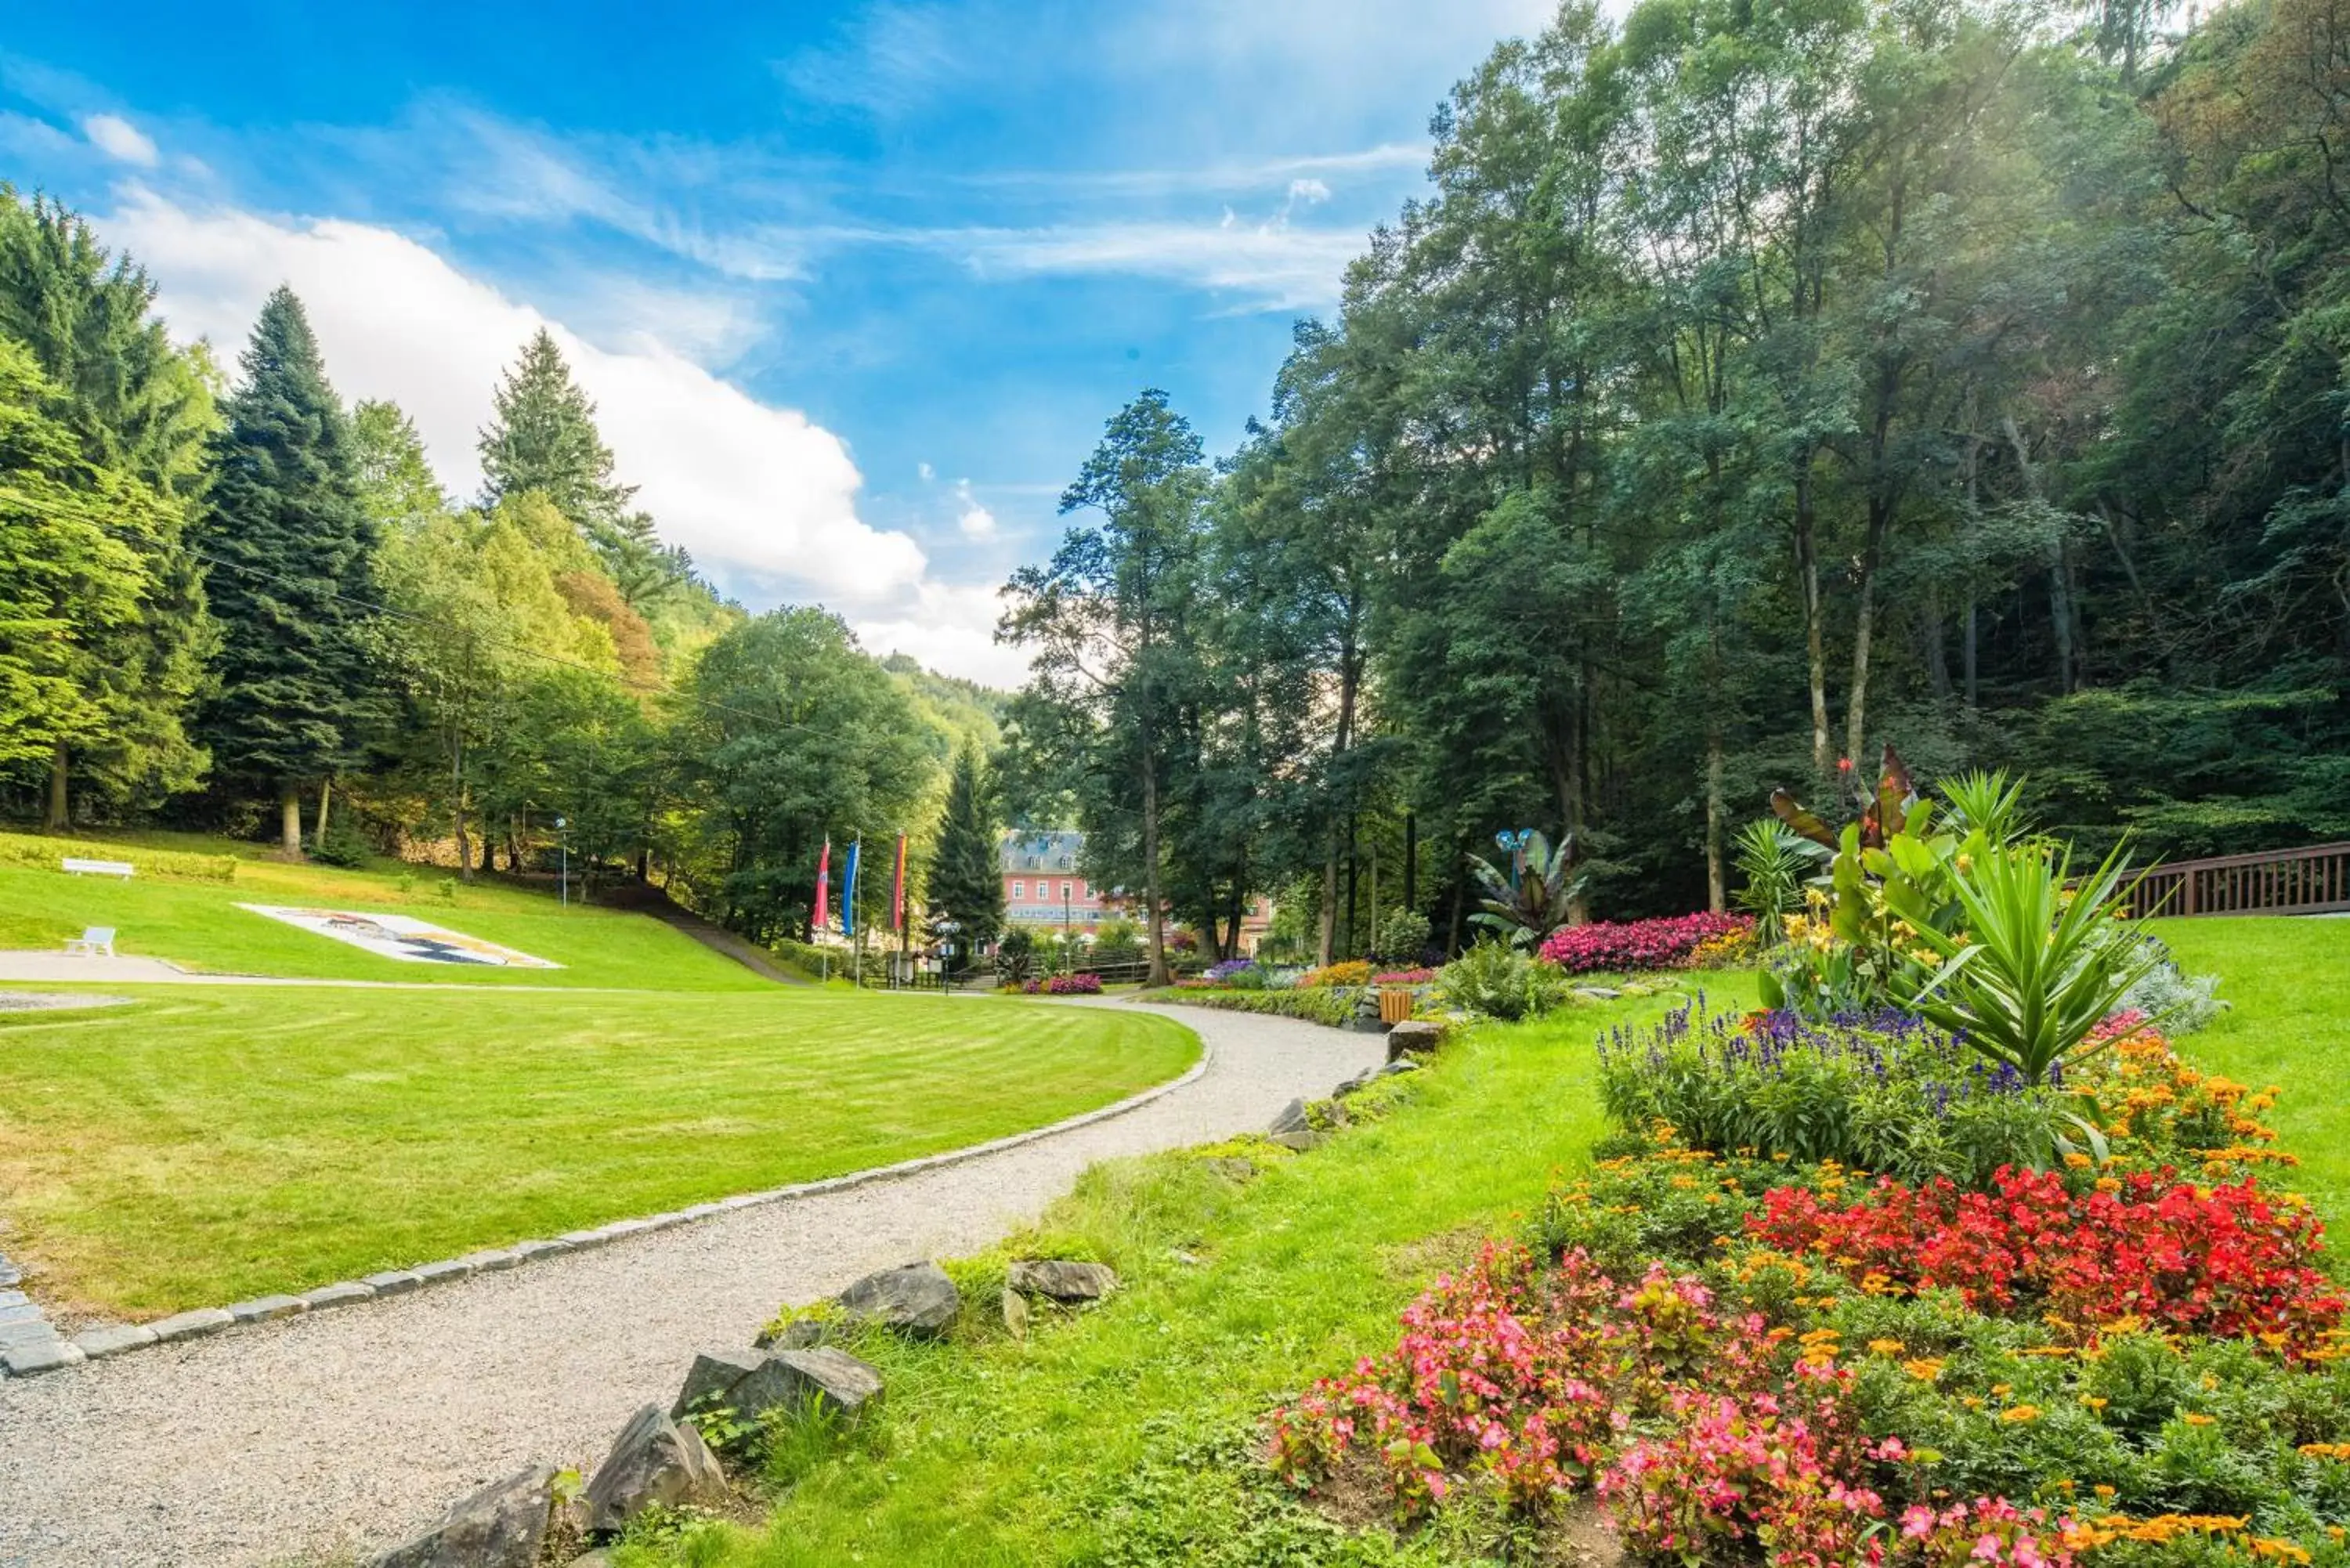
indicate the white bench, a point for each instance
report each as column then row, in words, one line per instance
column 94, row 942
column 122, row 868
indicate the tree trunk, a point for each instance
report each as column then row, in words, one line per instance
column 1329, row 925
column 1231, row 944
column 1410, row 860
column 1938, row 661
column 1856, row 717
column 1158, row 974
column 1814, row 636
column 57, row 818
column 325, row 795
column 1717, row 892
column 289, row 820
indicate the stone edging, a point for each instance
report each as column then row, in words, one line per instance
column 53, row 1353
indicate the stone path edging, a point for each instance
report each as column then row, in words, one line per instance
column 51, row 1353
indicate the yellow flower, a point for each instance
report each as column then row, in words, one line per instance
column 2021, row 1413
column 1885, row 1347
column 2194, row 1420
column 2093, row 1401
column 1922, row 1370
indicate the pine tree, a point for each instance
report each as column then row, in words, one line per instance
column 966, row 880
column 543, row 437
column 292, row 546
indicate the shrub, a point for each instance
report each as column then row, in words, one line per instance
column 1065, row 985
column 1403, row 935
column 1636, row 945
column 1348, row 972
column 1496, row 981
column 1405, row 977
column 43, row 854
column 1332, row 1006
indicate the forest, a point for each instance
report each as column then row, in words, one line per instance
column 1755, row 387
column 230, row 602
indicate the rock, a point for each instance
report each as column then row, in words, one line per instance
column 1413, row 1034
column 192, row 1324
column 391, row 1281
column 339, row 1295
column 1400, row 1064
column 1596, row 993
column 1291, row 1119
column 261, row 1309
column 526, row 1250
column 918, row 1299
column 714, row 1373
column 97, row 1344
column 1302, row 1140
column 32, row 1359
column 794, row 1380
column 1233, row 1168
column 800, row 1333
column 501, row 1526
column 653, row 1460
column 1353, row 1083
column 446, row 1269
column 1070, row 1283
column 1015, row 1313
column 490, row 1259
column 599, row 1558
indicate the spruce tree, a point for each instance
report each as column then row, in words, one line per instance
column 966, row 879
column 292, row 575
column 543, row 437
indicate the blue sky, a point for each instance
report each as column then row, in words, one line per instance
column 856, row 286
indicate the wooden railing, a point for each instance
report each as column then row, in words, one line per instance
column 2275, row 882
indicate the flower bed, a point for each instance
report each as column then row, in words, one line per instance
column 2118, row 1355
column 1332, row 1006
column 1636, row 945
column 1063, row 985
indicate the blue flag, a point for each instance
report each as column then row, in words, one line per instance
column 848, row 891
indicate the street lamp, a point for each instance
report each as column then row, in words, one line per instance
column 564, row 837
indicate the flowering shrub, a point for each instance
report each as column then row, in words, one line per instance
column 1226, row 969
column 2145, row 1093
column 1351, row 971
column 2217, row 1260
column 1405, row 977
column 1065, row 985
column 1638, row 944
column 1728, row 949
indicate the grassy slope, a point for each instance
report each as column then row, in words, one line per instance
column 210, row 1143
column 198, row 924
column 2289, row 983
column 1123, row 1437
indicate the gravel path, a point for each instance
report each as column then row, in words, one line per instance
column 316, row 1434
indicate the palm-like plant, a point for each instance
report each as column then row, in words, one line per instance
column 2028, row 973
column 1540, row 900
column 1987, row 804
column 1775, row 861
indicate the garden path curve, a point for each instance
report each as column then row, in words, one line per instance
column 310, row 1436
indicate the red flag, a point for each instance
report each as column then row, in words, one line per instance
column 897, row 889
column 823, row 888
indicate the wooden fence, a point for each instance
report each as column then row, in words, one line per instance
column 2275, row 882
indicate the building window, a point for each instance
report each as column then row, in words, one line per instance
column 1019, row 889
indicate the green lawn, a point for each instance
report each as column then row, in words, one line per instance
column 2289, row 983
column 198, row 924
column 210, row 1143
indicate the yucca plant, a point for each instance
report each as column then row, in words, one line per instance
column 1775, row 862
column 2027, row 974
column 1987, row 804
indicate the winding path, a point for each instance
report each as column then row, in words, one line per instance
column 348, row 1430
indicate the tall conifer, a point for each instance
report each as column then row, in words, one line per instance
column 966, row 880
column 292, row 545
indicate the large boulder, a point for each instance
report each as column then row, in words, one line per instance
column 1413, row 1036
column 713, row 1377
column 501, row 1526
column 653, row 1460
column 797, row 1380
column 1292, row 1119
column 918, row 1300
column 1057, row 1280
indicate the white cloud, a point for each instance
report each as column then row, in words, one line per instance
column 949, row 627
column 925, row 471
column 1308, row 191
column 976, row 520
column 758, row 493
column 1279, row 267
column 118, row 138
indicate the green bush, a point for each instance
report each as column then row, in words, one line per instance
column 1333, row 1005
column 1495, row 979
column 28, row 850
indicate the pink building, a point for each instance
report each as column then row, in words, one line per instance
column 1041, row 885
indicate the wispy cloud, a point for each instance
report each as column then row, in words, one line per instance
column 119, row 139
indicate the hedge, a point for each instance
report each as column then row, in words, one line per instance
column 44, row 853
column 1333, row 1005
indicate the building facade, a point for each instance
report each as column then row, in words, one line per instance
column 1043, row 889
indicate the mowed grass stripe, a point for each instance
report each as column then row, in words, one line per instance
column 204, row 1144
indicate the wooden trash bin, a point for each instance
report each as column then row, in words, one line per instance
column 1395, row 1003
